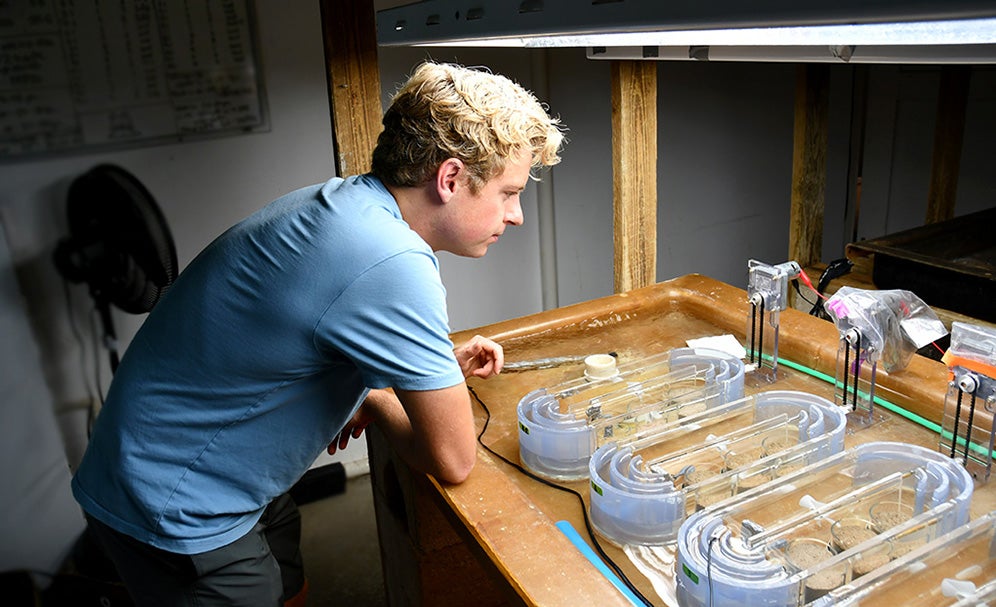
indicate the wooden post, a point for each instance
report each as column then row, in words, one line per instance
column 809, row 164
column 949, row 133
column 350, row 33
column 634, row 173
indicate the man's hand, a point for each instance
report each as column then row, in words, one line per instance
column 353, row 429
column 480, row 357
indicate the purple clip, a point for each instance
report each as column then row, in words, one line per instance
column 838, row 307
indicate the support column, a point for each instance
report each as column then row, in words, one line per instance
column 634, row 173
column 809, row 164
column 949, row 134
column 350, row 33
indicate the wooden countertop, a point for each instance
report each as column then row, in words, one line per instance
column 510, row 517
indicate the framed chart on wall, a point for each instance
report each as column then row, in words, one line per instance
column 81, row 75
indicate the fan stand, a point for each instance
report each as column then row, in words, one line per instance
column 110, row 338
column 119, row 244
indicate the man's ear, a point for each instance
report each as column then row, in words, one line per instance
column 449, row 176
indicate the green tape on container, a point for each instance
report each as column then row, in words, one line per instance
column 689, row 573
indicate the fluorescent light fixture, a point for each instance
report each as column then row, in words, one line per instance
column 943, row 31
column 923, row 55
column 966, row 31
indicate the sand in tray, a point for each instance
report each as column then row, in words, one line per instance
column 806, row 553
column 701, row 473
column 847, row 536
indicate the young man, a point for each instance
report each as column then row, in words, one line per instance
column 284, row 335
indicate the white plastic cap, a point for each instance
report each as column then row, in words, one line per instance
column 600, row 366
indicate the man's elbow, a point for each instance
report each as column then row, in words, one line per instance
column 456, row 470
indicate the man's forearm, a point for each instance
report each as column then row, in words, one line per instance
column 391, row 419
column 445, row 448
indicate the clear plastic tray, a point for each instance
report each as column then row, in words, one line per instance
column 561, row 426
column 644, row 487
column 958, row 568
column 794, row 539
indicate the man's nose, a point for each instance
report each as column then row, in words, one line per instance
column 513, row 213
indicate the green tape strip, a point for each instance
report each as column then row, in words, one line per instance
column 913, row 417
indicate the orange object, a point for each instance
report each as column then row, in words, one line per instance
column 952, row 360
column 300, row 599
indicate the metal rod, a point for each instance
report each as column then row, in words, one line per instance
column 847, row 366
column 857, row 374
column 760, row 339
column 547, row 363
column 753, row 328
column 857, row 369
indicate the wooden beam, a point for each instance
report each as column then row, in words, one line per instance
column 350, row 34
column 634, row 173
column 949, row 133
column 809, row 164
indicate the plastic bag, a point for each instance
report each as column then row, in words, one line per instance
column 893, row 324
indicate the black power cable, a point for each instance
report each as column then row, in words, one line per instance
column 795, row 284
column 712, row 541
column 835, row 269
column 584, row 510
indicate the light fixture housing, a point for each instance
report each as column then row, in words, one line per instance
column 873, row 31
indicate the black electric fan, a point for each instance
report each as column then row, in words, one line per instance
column 118, row 243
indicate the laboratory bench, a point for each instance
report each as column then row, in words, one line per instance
column 494, row 539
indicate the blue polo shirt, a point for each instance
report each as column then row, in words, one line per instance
column 255, row 359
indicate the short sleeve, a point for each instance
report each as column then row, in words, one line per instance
column 391, row 322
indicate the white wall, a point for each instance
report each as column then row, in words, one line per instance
column 724, row 190
column 202, row 187
column 39, row 520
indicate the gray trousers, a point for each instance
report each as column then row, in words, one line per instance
column 262, row 568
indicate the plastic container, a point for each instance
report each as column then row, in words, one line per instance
column 887, row 514
column 850, row 531
column 750, row 534
column 807, row 553
column 639, row 494
column 956, row 568
column 561, row 426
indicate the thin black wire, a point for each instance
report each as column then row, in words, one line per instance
column 795, row 283
column 584, row 510
column 712, row 541
column 835, row 269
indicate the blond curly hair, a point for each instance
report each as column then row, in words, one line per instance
column 450, row 111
